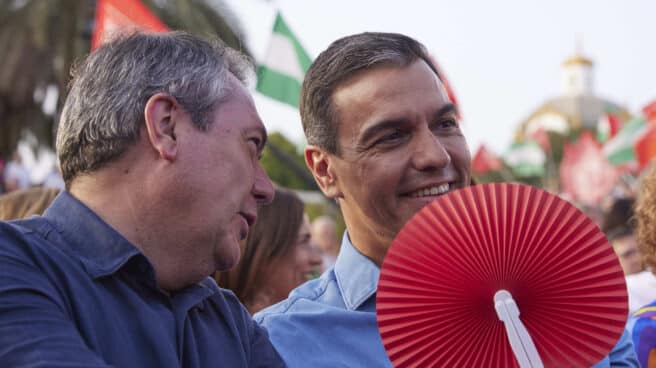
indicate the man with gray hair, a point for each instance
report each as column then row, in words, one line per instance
column 159, row 145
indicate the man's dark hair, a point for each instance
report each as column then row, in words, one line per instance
column 618, row 222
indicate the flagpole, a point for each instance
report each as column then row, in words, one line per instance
column 550, row 167
column 282, row 156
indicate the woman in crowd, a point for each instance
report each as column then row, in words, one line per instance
column 277, row 255
column 644, row 320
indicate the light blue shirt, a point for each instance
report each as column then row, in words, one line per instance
column 331, row 321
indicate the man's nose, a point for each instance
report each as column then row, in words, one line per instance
column 262, row 187
column 429, row 153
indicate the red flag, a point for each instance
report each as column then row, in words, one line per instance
column 123, row 16
column 608, row 126
column 585, row 173
column 645, row 147
column 650, row 112
column 485, row 161
column 541, row 137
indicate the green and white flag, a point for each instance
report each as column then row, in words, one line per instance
column 525, row 159
column 621, row 148
column 281, row 73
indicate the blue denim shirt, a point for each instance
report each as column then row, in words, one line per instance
column 331, row 321
column 74, row 292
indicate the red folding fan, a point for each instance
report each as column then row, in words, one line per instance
column 559, row 287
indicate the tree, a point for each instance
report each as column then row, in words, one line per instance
column 285, row 165
column 41, row 39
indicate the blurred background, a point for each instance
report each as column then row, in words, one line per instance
column 556, row 94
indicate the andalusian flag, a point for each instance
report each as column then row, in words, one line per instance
column 621, row 149
column 281, row 73
column 526, row 159
column 608, row 126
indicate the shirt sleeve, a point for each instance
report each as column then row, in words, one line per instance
column 35, row 329
column 263, row 354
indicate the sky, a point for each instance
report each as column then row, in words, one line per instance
column 503, row 58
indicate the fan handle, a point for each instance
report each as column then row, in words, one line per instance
column 520, row 341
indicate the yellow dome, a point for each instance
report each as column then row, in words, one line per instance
column 578, row 60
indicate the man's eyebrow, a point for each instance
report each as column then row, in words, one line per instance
column 448, row 108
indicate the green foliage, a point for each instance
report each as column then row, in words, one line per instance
column 285, row 165
column 41, row 39
column 489, row 177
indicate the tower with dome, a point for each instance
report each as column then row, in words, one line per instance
column 576, row 108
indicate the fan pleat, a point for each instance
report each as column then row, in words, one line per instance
column 435, row 293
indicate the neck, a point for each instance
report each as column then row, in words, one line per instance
column 260, row 301
column 111, row 195
column 128, row 199
column 366, row 238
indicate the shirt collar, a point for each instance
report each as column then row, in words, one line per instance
column 357, row 275
column 100, row 248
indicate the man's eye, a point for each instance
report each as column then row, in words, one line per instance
column 392, row 137
column 255, row 146
column 447, row 125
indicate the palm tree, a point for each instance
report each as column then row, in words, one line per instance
column 41, row 39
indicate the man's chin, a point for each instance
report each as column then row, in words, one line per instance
column 226, row 261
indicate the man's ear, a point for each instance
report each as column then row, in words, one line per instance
column 321, row 165
column 160, row 114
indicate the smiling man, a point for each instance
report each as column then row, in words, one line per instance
column 384, row 141
column 159, row 144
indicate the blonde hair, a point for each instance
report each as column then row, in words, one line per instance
column 645, row 213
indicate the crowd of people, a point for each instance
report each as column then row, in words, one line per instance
column 170, row 246
column 15, row 175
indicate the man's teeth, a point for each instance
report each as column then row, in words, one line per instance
column 431, row 191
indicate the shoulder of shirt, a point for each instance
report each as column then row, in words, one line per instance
column 27, row 228
column 311, row 291
column 229, row 297
column 35, row 238
column 640, row 278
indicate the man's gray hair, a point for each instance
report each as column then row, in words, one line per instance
column 104, row 111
